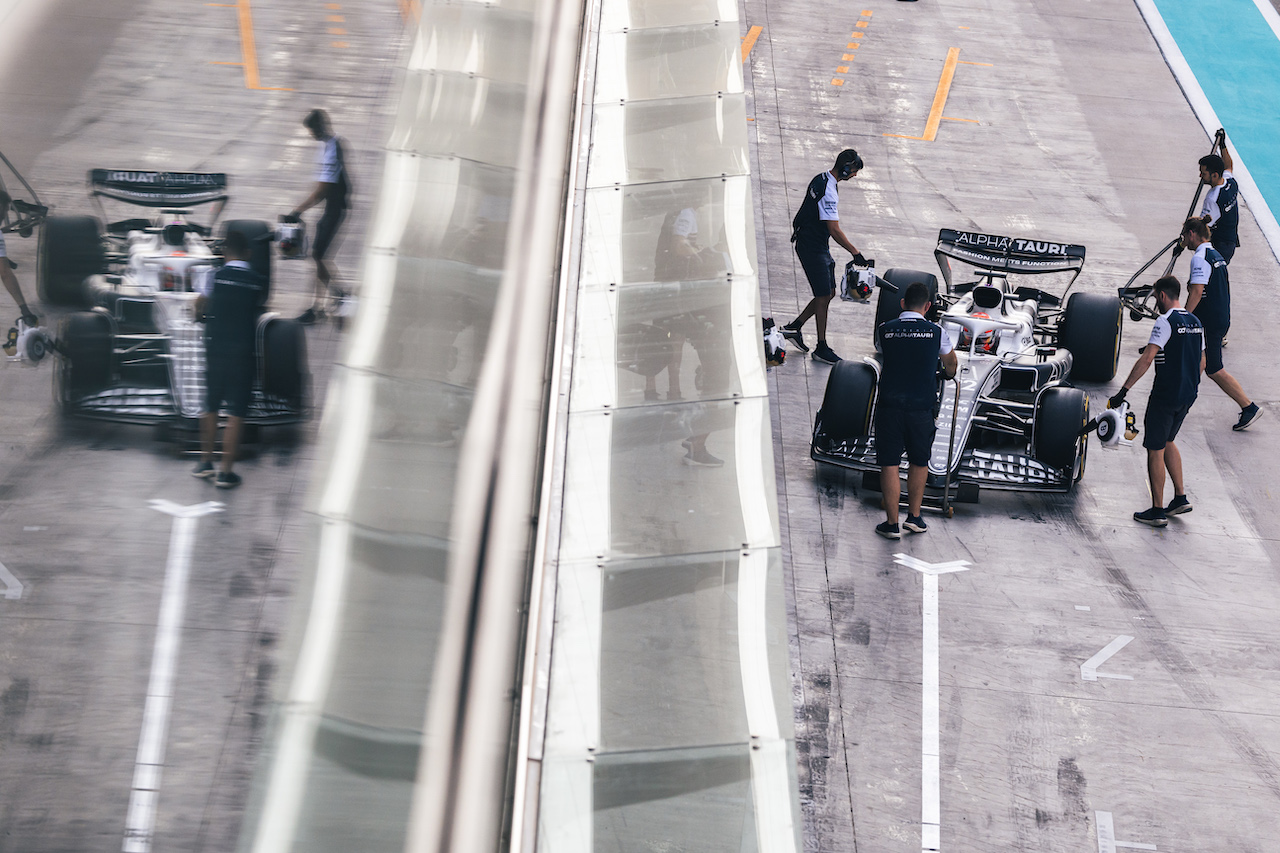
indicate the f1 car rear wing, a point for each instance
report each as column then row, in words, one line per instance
column 158, row 189
column 1006, row 254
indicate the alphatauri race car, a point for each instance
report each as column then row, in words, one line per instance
column 1011, row 418
column 137, row 353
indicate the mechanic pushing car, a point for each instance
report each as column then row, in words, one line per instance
column 815, row 224
column 1209, row 298
column 905, row 419
column 6, row 270
column 231, row 304
column 1177, row 348
column 333, row 188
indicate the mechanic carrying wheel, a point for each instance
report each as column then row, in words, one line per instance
column 911, row 347
column 333, row 187
column 6, row 270
column 1177, row 347
column 815, row 224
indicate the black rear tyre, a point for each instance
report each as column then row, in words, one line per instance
column 1060, row 415
column 284, row 361
column 1090, row 329
column 889, row 302
column 85, row 340
column 847, row 403
column 70, row 251
column 259, row 234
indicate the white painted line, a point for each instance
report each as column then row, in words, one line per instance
column 1270, row 15
column 1084, row 607
column 1089, row 669
column 140, row 823
column 12, row 586
column 1107, row 835
column 930, row 741
column 1209, row 119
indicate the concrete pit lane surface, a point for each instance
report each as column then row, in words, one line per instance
column 1059, row 121
column 92, row 520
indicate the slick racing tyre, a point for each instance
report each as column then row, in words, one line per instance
column 889, row 302
column 1090, row 329
column 847, row 403
column 1060, row 415
column 70, row 250
column 284, row 361
column 85, row 340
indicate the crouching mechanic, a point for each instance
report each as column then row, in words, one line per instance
column 1177, row 347
column 231, row 307
column 911, row 347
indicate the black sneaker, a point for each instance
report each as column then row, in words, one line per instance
column 796, row 337
column 203, row 470
column 824, row 354
column 888, row 531
column 1248, row 415
column 1154, row 517
column 915, row 524
column 1178, row 505
column 227, row 480
column 307, row 317
column 702, row 459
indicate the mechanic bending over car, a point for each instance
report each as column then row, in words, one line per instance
column 333, row 187
column 1178, row 349
column 1209, row 298
column 911, row 347
column 230, row 305
column 815, row 223
column 6, row 270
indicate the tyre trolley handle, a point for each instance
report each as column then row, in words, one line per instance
column 947, row 511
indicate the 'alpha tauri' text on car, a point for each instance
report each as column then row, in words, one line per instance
column 137, row 354
column 1010, row 419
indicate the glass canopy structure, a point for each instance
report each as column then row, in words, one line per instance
column 544, row 610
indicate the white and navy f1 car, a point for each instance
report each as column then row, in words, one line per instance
column 137, row 353
column 1010, row 419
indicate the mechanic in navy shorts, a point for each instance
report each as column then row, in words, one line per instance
column 1221, row 209
column 1209, row 298
column 333, row 188
column 815, row 223
column 7, row 277
column 231, row 307
column 911, row 347
column 1177, row 348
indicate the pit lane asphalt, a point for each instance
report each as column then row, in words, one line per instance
column 1070, row 127
column 138, row 84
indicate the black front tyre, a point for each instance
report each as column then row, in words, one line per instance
column 284, row 361
column 85, row 340
column 1090, row 329
column 1060, row 415
column 70, row 250
column 847, row 403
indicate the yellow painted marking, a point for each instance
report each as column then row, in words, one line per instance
column 848, row 56
column 248, row 48
column 336, row 19
column 409, row 9
column 836, row 81
column 855, row 35
column 842, row 69
column 749, row 41
column 984, row 64
column 970, row 120
column 339, row 44
column 337, row 31
column 939, row 98
column 853, row 45
column 333, row 5
column 866, row 13
column 861, row 24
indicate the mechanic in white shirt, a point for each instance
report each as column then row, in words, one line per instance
column 6, row 270
column 333, row 188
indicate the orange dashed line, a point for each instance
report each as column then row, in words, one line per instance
column 749, row 41
column 866, row 13
column 853, row 45
column 836, row 81
column 336, row 19
column 333, row 5
column 848, row 56
column 861, row 24
column 842, row 69
column 337, row 31
column 339, row 44
column 970, row 120
column 855, row 35
column 984, row 64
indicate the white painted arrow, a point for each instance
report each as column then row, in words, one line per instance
column 12, row 586
column 141, row 820
column 1089, row 669
column 930, row 748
